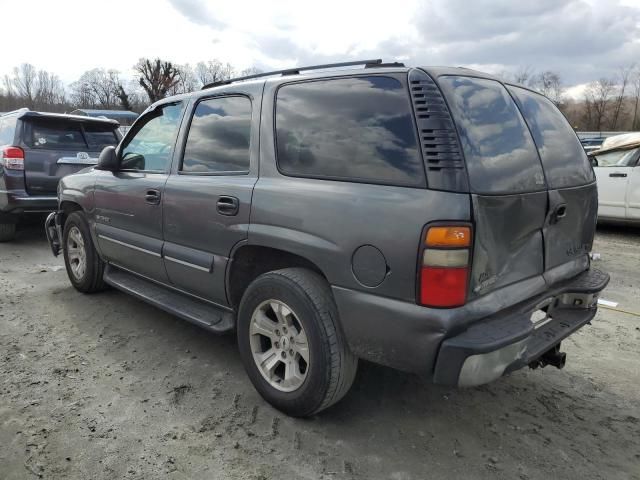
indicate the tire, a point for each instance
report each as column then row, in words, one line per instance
column 88, row 279
column 313, row 317
column 7, row 232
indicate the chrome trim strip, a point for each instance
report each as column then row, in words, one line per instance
column 187, row 264
column 128, row 245
column 77, row 161
column 35, row 199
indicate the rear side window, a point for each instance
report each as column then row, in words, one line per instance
column 100, row 136
column 7, row 130
column 500, row 154
column 218, row 139
column 357, row 129
column 563, row 157
column 55, row 134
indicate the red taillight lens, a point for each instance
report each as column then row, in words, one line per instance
column 13, row 158
column 443, row 287
column 444, row 266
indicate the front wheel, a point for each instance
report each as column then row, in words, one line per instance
column 290, row 342
column 84, row 266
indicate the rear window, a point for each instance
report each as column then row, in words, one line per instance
column 100, row 136
column 563, row 157
column 55, row 135
column 7, row 130
column 356, row 129
column 500, row 154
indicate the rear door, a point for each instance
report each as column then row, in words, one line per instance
column 207, row 199
column 55, row 147
column 573, row 195
column 508, row 189
column 532, row 187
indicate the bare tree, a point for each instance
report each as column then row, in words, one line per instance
column 250, row 71
column 188, row 81
column 550, row 85
column 213, row 71
column 523, row 75
column 96, row 88
column 618, row 103
column 157, row 77
column 597, row 101
column 23, row 83
column 636, row 97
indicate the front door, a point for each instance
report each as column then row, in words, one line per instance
column 633, row 194
column 207, row 198
column 128, row 202
column 613, row 171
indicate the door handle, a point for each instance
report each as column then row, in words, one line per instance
column 558, row 213
column 618, row 174
column 227, row 205
column 152, row 196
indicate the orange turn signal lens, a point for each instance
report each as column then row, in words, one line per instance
column 448, row 237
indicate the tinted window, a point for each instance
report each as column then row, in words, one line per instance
column 218, row 139
column 563, row 157
column 7, row 130
column 55, row 134
column 152, row 143
column 500, row 154
column 354, row 129
column 100, row 136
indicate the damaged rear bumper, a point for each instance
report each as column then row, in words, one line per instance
column 511, row 340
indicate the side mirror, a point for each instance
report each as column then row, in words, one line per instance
column 108, row 160
column 594, row 161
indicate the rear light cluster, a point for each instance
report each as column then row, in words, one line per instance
column 12, row 158
column 444, row 266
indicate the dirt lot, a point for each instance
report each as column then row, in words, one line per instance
column 105, row 386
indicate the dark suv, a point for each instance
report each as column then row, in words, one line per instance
column 436, row 220
column 37, row 149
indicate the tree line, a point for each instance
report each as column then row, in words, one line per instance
column 28, row 86
column 609, row 103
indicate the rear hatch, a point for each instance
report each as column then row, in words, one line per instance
column 56, row 146
column 532, row 188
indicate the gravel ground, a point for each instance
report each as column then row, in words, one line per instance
column 105, row 386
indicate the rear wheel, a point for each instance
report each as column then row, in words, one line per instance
column 291, row 344
column 84, row 266
column 7, row 232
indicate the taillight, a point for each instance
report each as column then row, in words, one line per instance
column 13, row 158
column 444, row 266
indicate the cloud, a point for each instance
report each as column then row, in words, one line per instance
column 197, row 12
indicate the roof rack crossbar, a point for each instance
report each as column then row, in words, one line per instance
column 295, row 71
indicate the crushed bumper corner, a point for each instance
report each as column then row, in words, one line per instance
column 510, row 340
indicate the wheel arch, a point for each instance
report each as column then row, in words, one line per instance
column 248, row 262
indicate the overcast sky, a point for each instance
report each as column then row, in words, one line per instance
column 581, row 39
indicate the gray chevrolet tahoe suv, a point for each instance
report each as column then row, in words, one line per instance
column 436, row 220
column 37, row 149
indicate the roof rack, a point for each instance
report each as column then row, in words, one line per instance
column 294, row 71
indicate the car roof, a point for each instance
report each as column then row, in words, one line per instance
column 278, row 77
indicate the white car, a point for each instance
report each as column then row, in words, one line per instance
column 617, row 171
